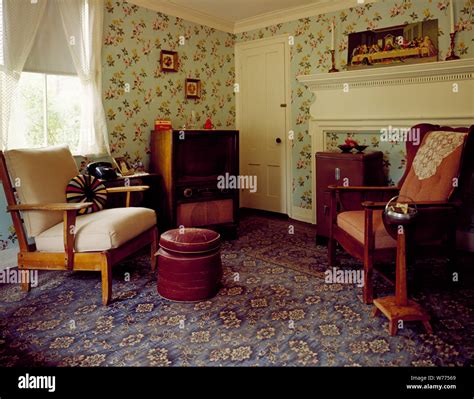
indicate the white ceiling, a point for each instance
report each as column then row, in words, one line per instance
column 236, row 10
column 244, row 15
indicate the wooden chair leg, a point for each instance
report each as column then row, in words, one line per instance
column 106, row 272
column 393, row 327
column 376, row 312
column 368, row 289
column 369, row 247
column 154, row 248
column 25, row 286
column 428, row 328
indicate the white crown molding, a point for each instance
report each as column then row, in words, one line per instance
column 248, row 24
column 294, row 13
column 186, row 13
column 389, row 76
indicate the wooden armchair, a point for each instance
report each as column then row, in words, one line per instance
column 35, row 183
column 438, row 193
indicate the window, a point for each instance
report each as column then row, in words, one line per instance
column 46, row 111
column 46, row 108
column 50, row 92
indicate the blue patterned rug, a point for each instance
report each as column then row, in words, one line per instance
column 275, row 310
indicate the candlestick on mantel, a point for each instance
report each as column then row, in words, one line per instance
column 451, row 15
column 452, row 48
column 333, row 59
column 333, row 34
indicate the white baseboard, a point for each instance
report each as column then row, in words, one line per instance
column 302, row 214
column 8, row 258
column 465, row 240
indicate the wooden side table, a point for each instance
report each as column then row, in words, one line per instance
column 400, row 307
column 361, row 169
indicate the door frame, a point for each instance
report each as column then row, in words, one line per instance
column 288, row 156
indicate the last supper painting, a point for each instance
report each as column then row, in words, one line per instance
column 413, row 43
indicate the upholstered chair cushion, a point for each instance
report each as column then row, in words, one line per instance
column 434, row 167
column 41, row 176
column 100, row 231
column 353, row 223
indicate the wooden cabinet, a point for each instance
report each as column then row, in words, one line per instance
column 192, row 163
column 341, row 169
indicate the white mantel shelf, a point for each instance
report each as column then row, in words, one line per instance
column 396, row 75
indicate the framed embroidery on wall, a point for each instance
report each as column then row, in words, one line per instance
column 192, row 88
column 397, row 45
column 169, row 61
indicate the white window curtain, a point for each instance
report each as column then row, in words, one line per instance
column 82, row 23
column 21, row 20
column 85, row 43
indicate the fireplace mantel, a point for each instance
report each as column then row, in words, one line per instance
column 388, row 76
column 368, row 100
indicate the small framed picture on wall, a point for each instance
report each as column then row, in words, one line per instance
column 169, row 61
column 193, row 88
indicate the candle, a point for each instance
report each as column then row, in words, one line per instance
column 333, row 29
column 451, row 11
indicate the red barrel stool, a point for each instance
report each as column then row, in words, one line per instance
column 189, row 264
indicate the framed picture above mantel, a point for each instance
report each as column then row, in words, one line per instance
column 413, row 43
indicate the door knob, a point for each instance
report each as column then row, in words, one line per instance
column 278, row 140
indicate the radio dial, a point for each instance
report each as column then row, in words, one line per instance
column 188, row 192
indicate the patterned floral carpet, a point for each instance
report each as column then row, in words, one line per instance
column 274, row 310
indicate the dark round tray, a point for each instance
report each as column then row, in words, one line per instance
column 392, row 223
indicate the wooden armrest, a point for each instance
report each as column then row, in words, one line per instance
column 373, row 205
column 363, row 188
column 127, row 189
column 63, row 207
column 419, row 204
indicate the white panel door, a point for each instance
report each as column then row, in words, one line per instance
column 263, row 125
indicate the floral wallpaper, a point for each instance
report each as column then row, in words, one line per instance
column 7, row 232
column 310, row 54
column 136, row 92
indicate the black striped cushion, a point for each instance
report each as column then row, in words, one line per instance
column 85, row 188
